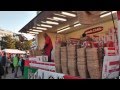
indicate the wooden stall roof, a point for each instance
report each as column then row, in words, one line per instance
column 44, row 15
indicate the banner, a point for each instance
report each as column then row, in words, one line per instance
column 110, row 67
column 29, row 72
column 42, row 74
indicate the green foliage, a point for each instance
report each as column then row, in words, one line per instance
column 8, row 42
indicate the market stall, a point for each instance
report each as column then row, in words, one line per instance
column 94, row 56
column 16, row 51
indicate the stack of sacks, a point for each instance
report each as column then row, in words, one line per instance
column 57, row 59
column 64, row 60
column 101, row 57
column 93, row 63
column 72, row 60
column 81, row 62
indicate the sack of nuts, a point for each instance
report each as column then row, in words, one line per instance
column 93, row 64
column 57, row 59
column 72, row 60
column 81, row 62
column 64, row 60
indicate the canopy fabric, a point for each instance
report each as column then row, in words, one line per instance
column 14, row 51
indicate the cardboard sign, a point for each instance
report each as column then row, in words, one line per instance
column 110, row 67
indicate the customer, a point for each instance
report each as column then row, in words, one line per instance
column 12, row 66
column 3, row 62
column 1, row 70
column 0, row 57
column 48, row 46
column 21, row 64
column 15, row 63
column 8, row 61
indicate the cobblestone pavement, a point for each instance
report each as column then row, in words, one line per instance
column 10, row 75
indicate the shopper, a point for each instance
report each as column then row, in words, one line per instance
column 8, row 61
column 48, row 46
column 0, row 57
column 1, row 70
column 15, row 63
column 3, row 62
column 21, row 64
column 12, row 66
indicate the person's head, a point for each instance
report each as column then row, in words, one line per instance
column 17, row 55
column 83, row 35
column 45, row 35
column 33, row 39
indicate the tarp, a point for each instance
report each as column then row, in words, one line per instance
column 15, row 51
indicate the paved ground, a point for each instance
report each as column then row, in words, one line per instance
column 10, row 75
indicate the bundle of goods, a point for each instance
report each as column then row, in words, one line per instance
column 64, row 60
column 93, row 64
column 72, row 60
column 57, row 59
column 81, row 62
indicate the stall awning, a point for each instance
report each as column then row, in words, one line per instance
column 54, row 21
column 14, row 51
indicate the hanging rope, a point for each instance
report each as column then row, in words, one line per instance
column 114, row 26
column 113, row 20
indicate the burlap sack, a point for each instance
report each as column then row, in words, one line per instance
column 93, row 64
column 58, row 59
column 64, row 60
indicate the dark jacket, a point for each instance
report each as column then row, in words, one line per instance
column 22, row 63
column 1, row 70
column 3, row 61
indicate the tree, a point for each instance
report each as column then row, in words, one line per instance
column 12, row 43
column 18, row 44
column 27, row 44
column 8, row 42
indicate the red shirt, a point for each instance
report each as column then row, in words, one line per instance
column 49, row 45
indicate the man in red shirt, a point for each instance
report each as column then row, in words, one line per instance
column 48, row 46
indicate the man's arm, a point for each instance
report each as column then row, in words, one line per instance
column 45, row 46
column 47, row 40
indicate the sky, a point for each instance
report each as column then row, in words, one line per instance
column 15, row 20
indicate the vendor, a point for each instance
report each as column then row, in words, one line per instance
column 86, row 41
column 48, row 46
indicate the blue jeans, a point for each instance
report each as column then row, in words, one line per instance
column 16, row 70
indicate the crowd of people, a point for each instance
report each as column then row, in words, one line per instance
column 13, row 61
